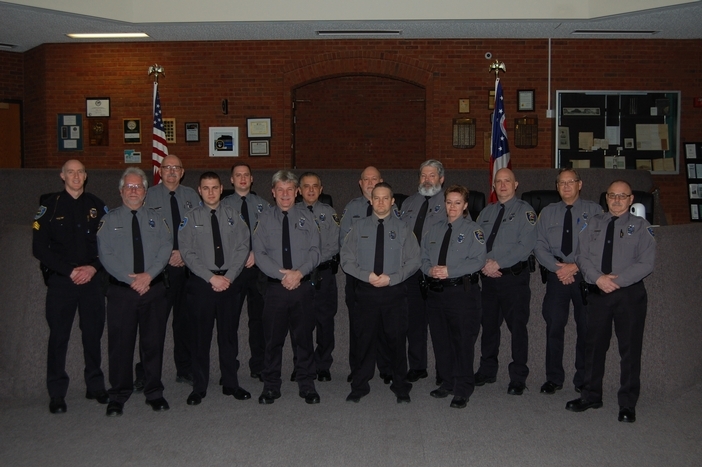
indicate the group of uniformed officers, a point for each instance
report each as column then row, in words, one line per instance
column 408, row 268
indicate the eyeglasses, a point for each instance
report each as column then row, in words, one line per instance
column 171, row 168
column 567, row 183
column 618, row 196
column 131, row 186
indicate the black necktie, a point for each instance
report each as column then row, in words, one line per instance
column 310, row 208
column 245, row 215
column 495, row 228
column 217, row 240
column 287, row 255
column 379, row 249
column 369, row 209
column 175, row 215
column 444, row 247
column 137, row 245
column 567, row 240
column 608, row 247
column 419, row 224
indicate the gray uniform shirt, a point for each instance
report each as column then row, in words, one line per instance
column 401, row 255
column 355, row 210
column 304, row 241
column 466, row 251
column 516, row 237
column 255, row 203
column 115, row 242
column 158, row 197
column 328, row 223
column 634, row 249
column 436, row 212
column 197, row 244
column 549, row 229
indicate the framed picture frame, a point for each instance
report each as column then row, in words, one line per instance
column 258, row 127
column 525, row 100
column 132, row 130
column 97, row 107
column 224, row 141
column 259, row 148
column 463, row 106
column 192, row 132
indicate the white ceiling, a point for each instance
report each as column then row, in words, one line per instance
column 24, row 25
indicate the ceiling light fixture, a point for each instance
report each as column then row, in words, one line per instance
column 4, row 45
column 608, row 32
column 109, row 35
column 360, row 32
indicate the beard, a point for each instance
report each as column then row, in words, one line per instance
column 429, row 190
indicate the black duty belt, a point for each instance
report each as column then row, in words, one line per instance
column 220, row 272
column 438, row 285
column 326, row 265
column 114, row 281
column 516, row 269
column 278, row 281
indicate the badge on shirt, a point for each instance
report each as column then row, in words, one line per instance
column 511, row 217
column 479, row 236
column 585, row 216
column 630, row 230
column 40, row 212
column 531, row 217
column 188, row 205
column 93, row 213
column 461, row 237
column 301, row 222
column 322, row 217
column 230, row 221
column 152, row 224
column 259, row 208
column 650, row 231
column 437, row 208
column 183, row 223
column 392, row 235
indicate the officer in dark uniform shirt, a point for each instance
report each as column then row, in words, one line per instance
column 615, row 253
column 286, row 244
column 135, row 245
column 510, row 229
column 215, row 258
column 453, row 252
column 64, row 241
column 381, row 252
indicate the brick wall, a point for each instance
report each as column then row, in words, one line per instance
column 11, row 76
column 259, row 77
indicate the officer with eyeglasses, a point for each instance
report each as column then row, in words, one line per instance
column 558, row 227
column 616, row 251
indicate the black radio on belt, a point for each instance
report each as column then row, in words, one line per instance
column 544, row 271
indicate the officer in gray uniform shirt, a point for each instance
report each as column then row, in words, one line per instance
column 250, row 206
column 510, row 229
column 558, row 227
column 135, row 244
column 420, row 212
column 326, row 294
column 615, row 253
column 286, row 244
column 172, row 200
column 381, row 252
column 453, row 252
column 214, row 243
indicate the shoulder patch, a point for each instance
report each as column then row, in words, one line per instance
column 479, row 236
column 102, row 222
column 40, row 212
column 183, row 223
column 650, row 231
column 531, row 217
column 336, row 219
column 343, row 213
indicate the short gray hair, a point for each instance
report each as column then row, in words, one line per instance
column 134, row 171
column 284, row 176
column 567, row 169
column 432, row 163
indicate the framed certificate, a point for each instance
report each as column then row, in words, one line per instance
column 258, row 147
column 258, row 127
column 525, row 99
column 97, row 107
column 192, row 132
column 132, row 130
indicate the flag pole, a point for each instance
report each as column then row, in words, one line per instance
column 160, row 147
column 499, row 147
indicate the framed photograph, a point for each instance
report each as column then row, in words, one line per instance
column 192, row 132
column 224, row 141
column 525, row 99
column 463, row 106
column 258, row 127
column 132, row 130
column 259, row 147
column 629, row 143
column 97, row 107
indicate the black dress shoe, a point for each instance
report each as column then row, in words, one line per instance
column 240, row 394
column 323, row 375
column 187, row 379
column 416, row 375
column 195, row 398
column 481, row 379
column 139, row 385
column 293, row 376
column 516, row 388
column 100, row 396
column 158, row 405
column 257, row 376
column 311, row 397
column 268, row 397
column 114, row 409
column 627, row 414
column 387, row 378
column 355, row 398
column 57, row 405
column 550, row 387
column 440, row 393
column 459, row 402
column 403, row 399
column 581, row 405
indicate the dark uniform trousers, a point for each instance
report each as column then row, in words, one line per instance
column 62, row 298
column 555, row 310
column 627, row 308
column 128, row 311
column 505, row 298
column 289, row 309
column 454, row 322
column 248, row 284
column 380, row 311
column 417, row 324
column 205, row 306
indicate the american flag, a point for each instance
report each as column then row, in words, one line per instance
column 160, row 146
column 499, row 148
